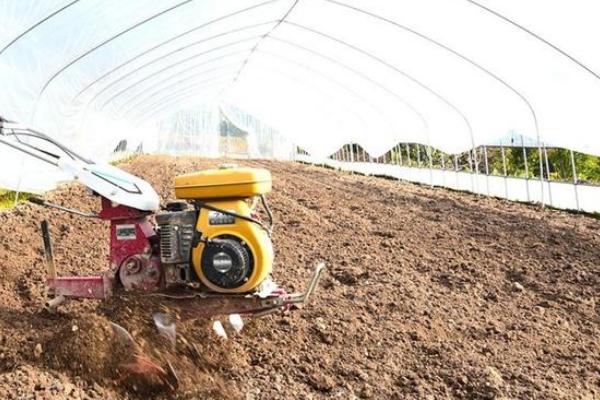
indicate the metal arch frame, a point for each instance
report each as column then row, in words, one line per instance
column 373, row 82
column 538, row 37
column 171, row 99
column 316, row 89
column 470, row 61
column 329, row 78
column 180, row 4
column 189, row 79
column 187, row 59
column 275, row 70
column 262, row 39
column 390, row 66
column 357, row 72
column 175, row 96
column 397, row 70
column 34, row 26
column 420, row 115
column 156, row 101
column 96, row 47
column 178, row 93
column 172, row 39
column 470, row 1
column 326, row 77
column 190, row 68
column 180, row 49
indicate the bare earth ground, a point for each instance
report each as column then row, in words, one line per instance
column 429, row 294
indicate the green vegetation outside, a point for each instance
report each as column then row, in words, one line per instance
column 124, row 160
column 558, row 163
column 7, row 198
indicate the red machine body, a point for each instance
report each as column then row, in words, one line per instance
column 134, row 246
column 134, row 256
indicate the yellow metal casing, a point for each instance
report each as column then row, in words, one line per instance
column 223, row 183
column 251, row 234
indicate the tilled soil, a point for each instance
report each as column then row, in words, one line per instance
column 428, row 294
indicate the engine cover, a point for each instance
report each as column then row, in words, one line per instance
column 239, row 253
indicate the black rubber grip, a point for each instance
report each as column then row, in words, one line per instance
column 37, row 200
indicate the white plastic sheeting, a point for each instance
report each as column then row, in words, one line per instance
column 447, row 73
column 197, row 131
column 20, row 172
column 193, row 132
column 263, row 140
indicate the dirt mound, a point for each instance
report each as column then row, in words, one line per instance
column 31, row 382
column 428, row 294
column 86, row 346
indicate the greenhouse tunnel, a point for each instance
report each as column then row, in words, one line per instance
column 298, row 74
column 178, row 178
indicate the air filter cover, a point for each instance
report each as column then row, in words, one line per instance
column 223, row 183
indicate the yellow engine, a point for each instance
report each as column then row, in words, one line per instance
column 232, row 252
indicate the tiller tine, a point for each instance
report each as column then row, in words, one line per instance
column 302, row 298
column 203, row 305
column 292, row 301
column 85, row 287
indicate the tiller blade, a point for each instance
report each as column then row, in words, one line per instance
column 191, row 305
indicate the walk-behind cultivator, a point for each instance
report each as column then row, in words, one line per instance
column 209, row 250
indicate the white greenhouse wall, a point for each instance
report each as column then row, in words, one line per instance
column 556, row 194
